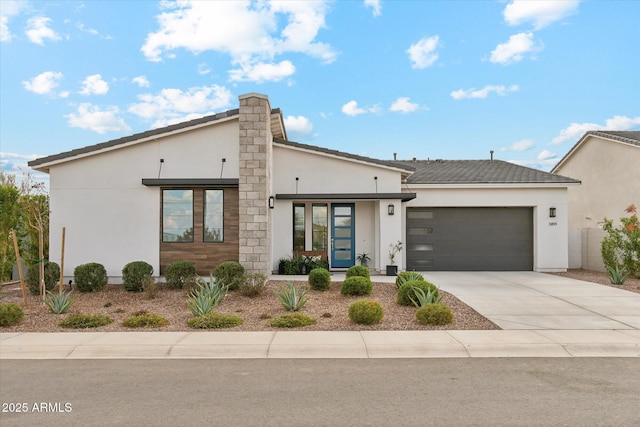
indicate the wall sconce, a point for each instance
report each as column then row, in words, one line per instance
column 272, row 202
column 391, row 209
column 552, row 212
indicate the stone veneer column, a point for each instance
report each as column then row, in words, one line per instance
column 255, row 183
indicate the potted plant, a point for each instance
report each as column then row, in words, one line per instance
column 394, row 249
column 363, row 258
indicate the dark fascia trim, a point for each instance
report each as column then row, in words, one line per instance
column 405, row 197
column 190, row 182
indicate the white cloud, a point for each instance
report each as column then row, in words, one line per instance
column 9, row 9
column 262, row 72
column 94, row 85
column 576, row 130
column 403, row 105
column 141, row 81
column 522, row 145
column 546, row 155
column 515, row 49
column 375, row 5
column 92, row 117
column 351, row 109
column 423, row 53
column 540, row 13
column 38, row 31
column 172, row 104
column 203, row 69
column 252, row 33
column 484, row 92
column 44, row 83
column 298, row 126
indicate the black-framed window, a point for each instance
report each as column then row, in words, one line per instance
column 177, row 215
column 320, row 227
column 298, row 227
column 213, row 216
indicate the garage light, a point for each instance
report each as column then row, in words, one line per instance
column 391, row 209
column 552, row 212
column 272, row 202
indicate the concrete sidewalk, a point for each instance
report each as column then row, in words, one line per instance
column 318, row 345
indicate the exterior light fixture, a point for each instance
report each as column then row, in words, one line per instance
column 552, row 212
column 272, row 202
column 391, row 209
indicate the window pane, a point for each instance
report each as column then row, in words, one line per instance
column 213, row 215
column 320, row 226
column 177, row 216
column 298, row 227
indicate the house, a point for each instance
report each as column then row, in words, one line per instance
column 607, row 163
column 231, row 186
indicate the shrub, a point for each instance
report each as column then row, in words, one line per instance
column 357, row 270
column 150, row 286
column 10, row 314
column 133, row 273
column 320, row 279
column 621, row 246
column 178, row 273
column 91, row 277
column 356, row 285
column 405, row 276
column 215, row 321
column 59, row 303
column 366, row 312
column 293, row 298
column 294, row 320
column 434, row 314
column 81, row 321
column 206, row 297
column 145, row 320
column 252, row 285
column 406, row 292
column 51, row 277
column 290, row 266
column 230, row 273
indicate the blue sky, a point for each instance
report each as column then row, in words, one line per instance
column 426, row 79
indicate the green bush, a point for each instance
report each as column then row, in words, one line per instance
column 82, row 321
column 91, row 277
column 356, row 285
column 621, row 247
column 320, row 279
column 230, row 273
column 294, row 320
column 178, row 273
column 145, row 320
column 434, row 314
column 406, row 276
column 406, row 291
column 252, row 285
column 215, row 321
column 133, row 275
column 366, row 312
column 51, row 277
column 10, row 314
column 357, row 270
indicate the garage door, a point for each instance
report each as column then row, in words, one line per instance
column 470, row 239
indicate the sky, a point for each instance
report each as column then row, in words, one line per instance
column 425, row 79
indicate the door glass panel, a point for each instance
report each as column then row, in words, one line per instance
column 343, row 255
column 342, row 232
column 342, row 210
column 342, row 221
column 343, row 244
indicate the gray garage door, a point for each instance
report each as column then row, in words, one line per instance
column 470, row 239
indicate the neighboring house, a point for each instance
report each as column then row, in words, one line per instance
column 608, row 164
column 232, row 187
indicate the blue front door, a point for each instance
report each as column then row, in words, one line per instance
column 342, row 235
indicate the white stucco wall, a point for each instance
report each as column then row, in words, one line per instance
column 110, row 217
column 550, row 234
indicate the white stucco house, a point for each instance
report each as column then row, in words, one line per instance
column 231, row 186
column 607, row 164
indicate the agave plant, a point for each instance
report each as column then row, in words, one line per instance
column 59, row 304
column 422, row 298
column 206, row 297
column 407, row 276
column 618, row 275
column 293, row 298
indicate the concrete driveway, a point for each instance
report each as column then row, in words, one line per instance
column 528, row 300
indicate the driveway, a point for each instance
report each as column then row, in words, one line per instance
column 529, row 300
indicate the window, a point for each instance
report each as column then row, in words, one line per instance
column 177, row 215
column 298, row 227
column 320, row 227
column 213, row 215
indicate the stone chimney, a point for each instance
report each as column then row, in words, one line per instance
column 255, row 183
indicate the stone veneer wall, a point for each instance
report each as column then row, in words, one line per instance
column 255, row 183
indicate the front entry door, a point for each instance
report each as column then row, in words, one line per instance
column 342, row 235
